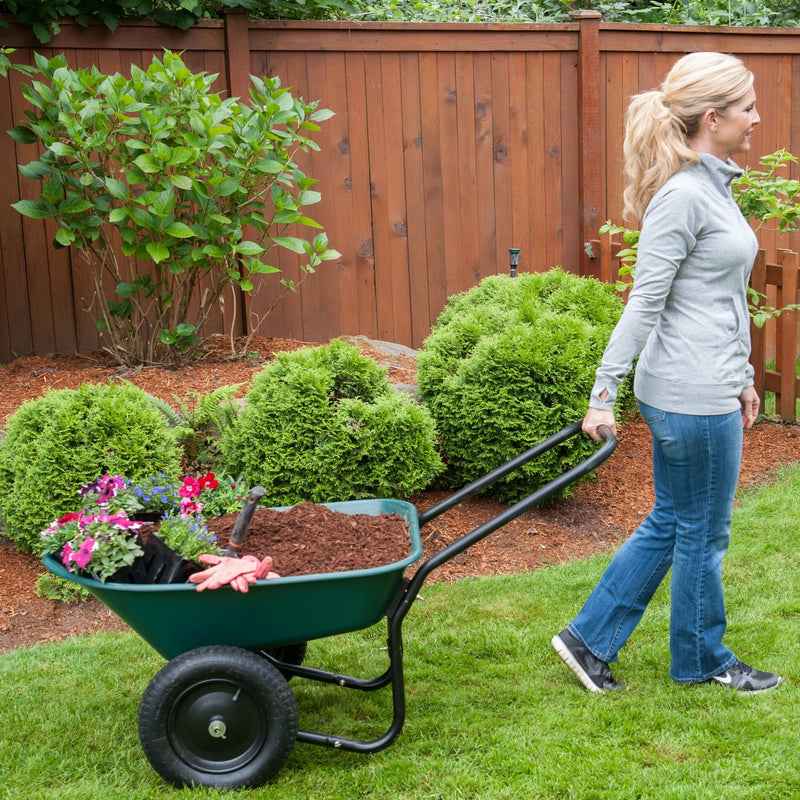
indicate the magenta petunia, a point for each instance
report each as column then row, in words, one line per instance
column 84, row 554
column 66, row 554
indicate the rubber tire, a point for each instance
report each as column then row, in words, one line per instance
column 198, row 689
column 293, row 654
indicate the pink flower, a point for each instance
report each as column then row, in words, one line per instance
column 189, row 506
column 191, row 487
column 66, row 555
column 84, row 554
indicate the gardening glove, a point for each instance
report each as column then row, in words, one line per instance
column 237, row 572
column 264, row 569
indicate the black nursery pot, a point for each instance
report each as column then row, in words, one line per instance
column 158, row 564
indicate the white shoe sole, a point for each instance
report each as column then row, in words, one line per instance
column 566, row 656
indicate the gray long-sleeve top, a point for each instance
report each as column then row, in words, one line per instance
column 687, row 311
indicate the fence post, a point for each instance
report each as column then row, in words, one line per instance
column 590, row 172
column 237, row 54
column 758, row 336
column 787, row 325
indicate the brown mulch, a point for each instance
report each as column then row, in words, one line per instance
column 310, row 539
column 599, row 515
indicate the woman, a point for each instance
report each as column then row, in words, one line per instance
column 687, row 316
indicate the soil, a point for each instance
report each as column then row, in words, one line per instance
column 601, row 513
column 309, row 539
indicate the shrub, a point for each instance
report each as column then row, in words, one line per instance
column 323, row 424
column 66, row 438
column 172, row 194
column 511, row 362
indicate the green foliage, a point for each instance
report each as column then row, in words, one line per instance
column 188, row 535
column 204, row 416
column 511, row 362
column 65, row 439
column 44, row 15
column 52, row 587
column 197, row 187
column 227, row 497
column 323, row 424
column 763, row 195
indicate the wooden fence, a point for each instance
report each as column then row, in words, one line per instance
column 451, row 144
column 775, row 344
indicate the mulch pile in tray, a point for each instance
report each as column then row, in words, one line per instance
column 308, row 539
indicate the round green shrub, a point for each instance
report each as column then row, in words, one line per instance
column 69, row 437
column 511, row 362
column 324, row 424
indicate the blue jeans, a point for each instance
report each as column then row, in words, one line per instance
column 696, row 461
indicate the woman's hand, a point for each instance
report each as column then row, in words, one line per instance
column 595, row 417
column 750, row 405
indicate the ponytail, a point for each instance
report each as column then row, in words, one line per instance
column 660, row 123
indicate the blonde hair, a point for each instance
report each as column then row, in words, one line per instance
column 659, row 123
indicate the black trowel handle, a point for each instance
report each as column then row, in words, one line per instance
column 243, row 520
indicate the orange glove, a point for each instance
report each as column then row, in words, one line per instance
column 239, row 573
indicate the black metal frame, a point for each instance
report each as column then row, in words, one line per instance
column 409, row 588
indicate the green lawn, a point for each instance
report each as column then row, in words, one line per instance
column 492, row 712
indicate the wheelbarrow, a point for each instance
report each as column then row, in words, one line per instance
column 221, row 712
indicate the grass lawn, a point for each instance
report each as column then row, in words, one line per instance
column 492, row 712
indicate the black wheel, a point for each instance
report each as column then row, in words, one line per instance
column 218, row 716
column 290, row 654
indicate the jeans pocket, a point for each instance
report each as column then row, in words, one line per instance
column 651, row 415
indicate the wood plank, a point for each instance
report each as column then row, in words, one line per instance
column 788, row 328
column 16, row 335
column 433, row 199
column 413, row 37
column 340, row 277
column 534, row 257
column 484, row 160
column 416, row 222
column 363, row 247
column 456, row 278
column 569, row 228
column 553, row 170
column 518, row 163
column 501, row 140
column 473, row 269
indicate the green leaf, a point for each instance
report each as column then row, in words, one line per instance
column 248, row 248
column 117, row 215
column 226, row 188
column 117, row 188
column 181, row 181
column 35, row 170
column 158, row 251
column 74, row 205
column 290, row 243
column 65, row 237
column 148, row 164
column 23, row 135
column 33, row 208
column 180, row 230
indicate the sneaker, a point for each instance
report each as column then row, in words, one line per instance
column 743, row 677
column 593, row 673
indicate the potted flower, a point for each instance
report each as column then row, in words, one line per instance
column 111, row 537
